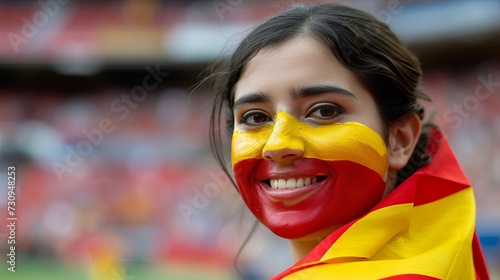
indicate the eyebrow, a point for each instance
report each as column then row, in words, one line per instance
column 254, row 97
column 261, row 97
column 320, row 89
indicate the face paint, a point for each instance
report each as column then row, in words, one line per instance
column 339, row 176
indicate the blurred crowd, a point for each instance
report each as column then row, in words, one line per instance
column 108, row 196
column 145, row 189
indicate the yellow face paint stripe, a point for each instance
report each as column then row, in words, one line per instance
column 350, row 141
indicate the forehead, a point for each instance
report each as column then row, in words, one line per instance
column 297, row 62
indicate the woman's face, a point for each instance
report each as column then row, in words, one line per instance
column 307, row 150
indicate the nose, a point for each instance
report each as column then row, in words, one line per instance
column 285, row 143
column 282, row 155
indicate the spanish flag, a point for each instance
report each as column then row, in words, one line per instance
column 424, row 229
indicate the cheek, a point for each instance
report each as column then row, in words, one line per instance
column 353, row 142
column 248, row 145
column 356, row 190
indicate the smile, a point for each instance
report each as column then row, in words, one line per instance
column 291, row 183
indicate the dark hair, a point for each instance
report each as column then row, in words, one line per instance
column 363, row 44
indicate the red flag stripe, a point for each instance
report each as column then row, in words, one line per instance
column 409, row 277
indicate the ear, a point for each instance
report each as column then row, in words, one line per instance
column 403, row 138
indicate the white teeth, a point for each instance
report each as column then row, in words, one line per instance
column 273, row 183
column 281, row 184
column 307, row 181
column 300, row 182
column 292, row 183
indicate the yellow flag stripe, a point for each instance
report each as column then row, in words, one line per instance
column 439, row 248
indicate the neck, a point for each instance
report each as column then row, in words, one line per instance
column 300, row 247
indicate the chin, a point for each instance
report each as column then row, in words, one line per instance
column 299, row 234
column 308, row 226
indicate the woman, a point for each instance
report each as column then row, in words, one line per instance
column 328, row 150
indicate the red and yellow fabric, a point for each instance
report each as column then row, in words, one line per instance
column 424, row 229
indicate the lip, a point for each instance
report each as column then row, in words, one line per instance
column 292, row 195
column 299, row 169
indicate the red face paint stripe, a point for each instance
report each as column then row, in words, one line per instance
column 348, row 191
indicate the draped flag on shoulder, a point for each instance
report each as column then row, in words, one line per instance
column 424, row 229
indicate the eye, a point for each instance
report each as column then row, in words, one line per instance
column 254, row 118
column 325, row 111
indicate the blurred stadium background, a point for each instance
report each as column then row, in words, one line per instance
column 115, row 179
